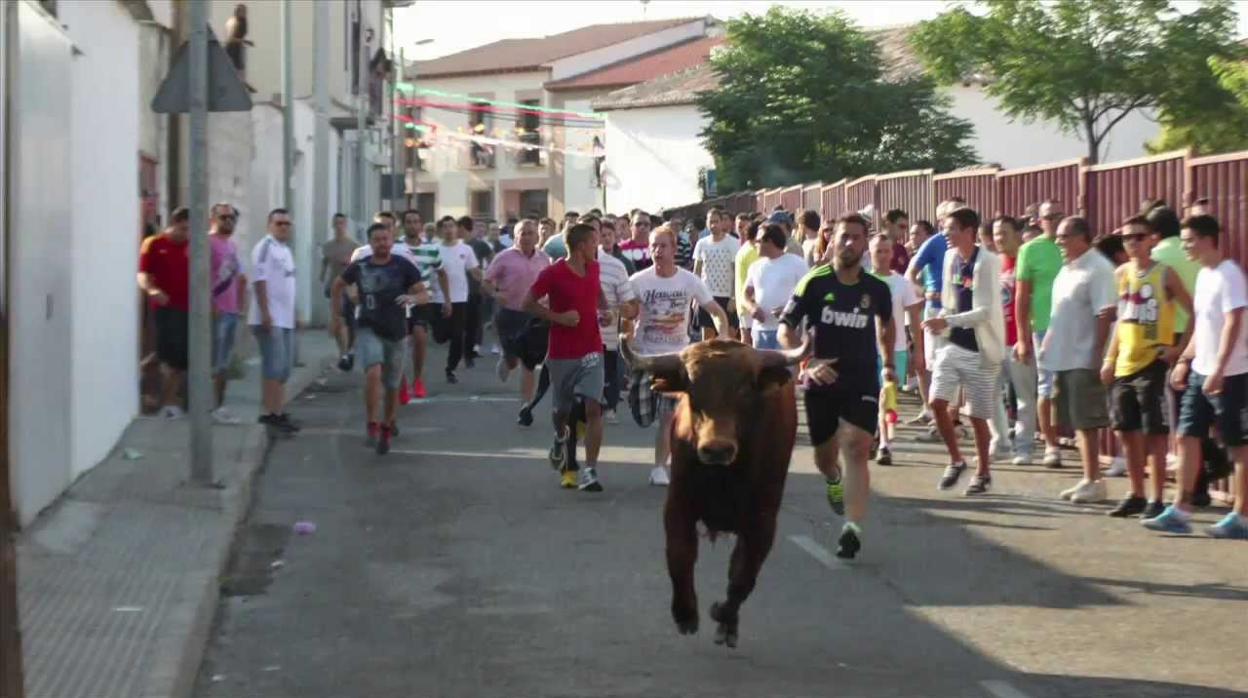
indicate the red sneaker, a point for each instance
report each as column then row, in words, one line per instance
column 374, row 431
column 418, row 388
column 404, row 398
column 383, row 441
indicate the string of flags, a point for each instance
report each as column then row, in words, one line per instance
column 430, row 135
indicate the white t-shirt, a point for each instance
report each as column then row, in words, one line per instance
column 1218, row 291
column 613, row 277
column 457, row 258
column 717, row 260
column 1082, row 289
column 663, row 323
column 273, row 263
column 904, row 296
column 773, row 281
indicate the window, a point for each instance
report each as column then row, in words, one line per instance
column 425, row 201
column 481, row 204
column 533, row 203
column 479, row 124
column 530, row 125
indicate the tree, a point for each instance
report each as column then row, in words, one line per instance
column 1084, row 64
column 802, row 97
column 1214, row 118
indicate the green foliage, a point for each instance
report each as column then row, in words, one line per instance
column 802, row 98
column 1084, row 64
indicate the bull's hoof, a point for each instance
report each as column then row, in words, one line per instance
column 686, row 620
column 726, row 631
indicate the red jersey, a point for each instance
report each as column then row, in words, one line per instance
column 1008, row 300
column 569, row 291
column 169, row 265
column 901, row 259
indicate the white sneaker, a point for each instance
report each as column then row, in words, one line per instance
column 1117, row 468
column 1070, row 492
column 998, row 450
column 496, row 350
column 222, row 415
column 172, row 412
column 1021, row 459
column 1052, row 458
column 1090, row 493
column 611, row 417
column 659, row 476
column 502, row 369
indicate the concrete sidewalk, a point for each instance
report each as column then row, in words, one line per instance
column 118, row 580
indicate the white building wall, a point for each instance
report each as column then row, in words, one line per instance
column 105, row 227
column 1021, row 144
column 653, row 157
column 580, row 190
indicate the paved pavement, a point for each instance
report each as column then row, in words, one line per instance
column 118, row 580
column 456, row 567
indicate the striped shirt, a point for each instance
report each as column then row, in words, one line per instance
column 613, row 278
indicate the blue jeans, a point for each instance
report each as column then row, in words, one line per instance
column 223, row 330
column 766, row 339
column 277, row 351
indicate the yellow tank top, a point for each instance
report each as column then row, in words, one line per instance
column 1145, row 317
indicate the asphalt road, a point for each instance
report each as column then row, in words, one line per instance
column 455, row 566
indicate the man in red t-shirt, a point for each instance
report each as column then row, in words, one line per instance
column 1007, row 234
column 164, row 275
column 574, row 357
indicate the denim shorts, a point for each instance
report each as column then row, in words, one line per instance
column 277, row 351
column 224, row 327
column 373, row 350
column 766, row 339
column 1228, row 410
column 1046, row 379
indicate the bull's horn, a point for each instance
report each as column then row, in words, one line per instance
column 773, row 358
column 662, row 363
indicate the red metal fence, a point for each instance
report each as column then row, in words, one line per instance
column 1116, row 191
column 811, row 198
column 1223, row 179
column 1018, row 189
column 909, row 191
column 861, row 193
column 791, row 197
column 977, row 187
column 833, row 200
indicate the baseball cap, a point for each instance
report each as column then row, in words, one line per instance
column 780, row 217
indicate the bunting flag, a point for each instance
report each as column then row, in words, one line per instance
column 409, row 88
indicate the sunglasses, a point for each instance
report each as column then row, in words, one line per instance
column 281, row 222
column 1133, row 237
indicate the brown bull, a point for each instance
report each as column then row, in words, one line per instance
column 732, row 436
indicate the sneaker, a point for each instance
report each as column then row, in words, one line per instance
column 470, row 361
column 559, row 453
column 383, row 440
column 404, row 396
column 345, row 362
column 1117, row 468
column 931, row 436
column 1090, row 493
column 1172, row 520
column 587, row 480
column 979, row 485
column 1052, row 458
column 885, row 457
column 920, row 419
column 659, row 477
column 1201, row 498
column 848, row 545
column 951, row 475
column 835, row 493
column 502, row 369
column 1021, row 459
column 223, row 415
column 1231, row 526
column 394, row 429
column 611, row 417
column 1070, row 491
column 450, row 377
column 172, row 412
column 496, row 350
column 1152, row 510
column 998, row 450
column 374, row 431
column 567, row 479
column 288, row 424
column 525, row 417
column 1129, row 506
column 418, row 389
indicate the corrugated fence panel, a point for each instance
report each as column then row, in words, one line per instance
column 771, row 199
column 810, row 197
column 978, row 187
column 860, row 194
column 1024, row 187
column 832, row 198
column 760, row 200
column 908, row 191
column 1223, row 179
column 1115, row 191
column 791, row 198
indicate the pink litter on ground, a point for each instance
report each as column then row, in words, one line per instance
column 305, row 528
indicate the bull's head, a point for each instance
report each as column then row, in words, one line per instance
column 725, row 381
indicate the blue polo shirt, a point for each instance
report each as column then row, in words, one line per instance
column 931, row 261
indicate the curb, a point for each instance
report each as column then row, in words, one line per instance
column 202, row 588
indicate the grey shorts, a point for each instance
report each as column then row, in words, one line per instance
column 572, row 379
column 1082, row 401
column 372, row 350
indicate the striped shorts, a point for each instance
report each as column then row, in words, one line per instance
column 956, row 368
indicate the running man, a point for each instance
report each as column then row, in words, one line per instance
column 850, row 313
column 385, row 286
column 509, row 277
column 423, row 251
column 713, row 261
column 335, row 256
column 574, row 358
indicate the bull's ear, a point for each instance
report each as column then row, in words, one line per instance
column 673, row 381
column 773, row 377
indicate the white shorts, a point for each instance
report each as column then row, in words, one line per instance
column 956, row 368
column 929, row 339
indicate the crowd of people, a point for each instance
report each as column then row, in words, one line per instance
column 1027, row 329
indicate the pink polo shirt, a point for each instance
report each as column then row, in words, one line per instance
column 225, row 271
column 513, row 275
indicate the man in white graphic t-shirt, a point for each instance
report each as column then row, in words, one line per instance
column 713, row 261
column 665, row 293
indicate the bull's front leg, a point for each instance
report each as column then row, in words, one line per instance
column 753, row 545
column 682, row 554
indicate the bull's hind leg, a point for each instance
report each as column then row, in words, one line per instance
column 682, row 554
column 753, row 545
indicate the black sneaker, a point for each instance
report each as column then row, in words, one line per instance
column 1152, row 510
column 525, row 417
column 450, row 377
column 383, row 441
column 885, row 457
column 848, row 545
column 470, row 361
column 979, row 485
column 287, row 424
column 559, row 453
column 1201, row 498
column 951, row 475
column 345, row 362
column 1129, row 506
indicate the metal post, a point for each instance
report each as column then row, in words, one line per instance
column 320, row 92
column 362, row 104
column 199, row 380
column 398, row 169
column 288, row 113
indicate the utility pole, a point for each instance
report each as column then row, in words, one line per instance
column 362, row 104
column 288, row 111
column 199, row 382
column 320, row 96
column 398, row 169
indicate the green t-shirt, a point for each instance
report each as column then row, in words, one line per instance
column 1170, row 253
column 1038, row 264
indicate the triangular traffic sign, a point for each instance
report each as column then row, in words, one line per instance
column 226, row 91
